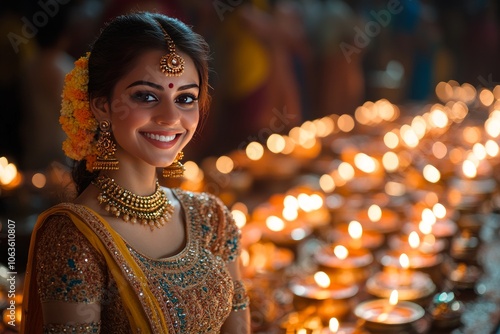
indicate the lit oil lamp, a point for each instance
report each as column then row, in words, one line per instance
column 280, row 223
column 335, row 327
column 436, row 229
column 307, row 146
column 312, row 208
column 418, row 261
column 10, row 177
column 472, row 184
column 411, row 285
column 444, row 229
column 305, row 321
column 285, row 233
column 265, row 258
column 329, row 299
column 389, row 315
column 368, row 174
column 429, row 243
column 415, row 242
column 354, row 236
column 375, row 219
column 345, row 265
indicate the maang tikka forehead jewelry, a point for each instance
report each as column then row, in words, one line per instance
column 171, row 63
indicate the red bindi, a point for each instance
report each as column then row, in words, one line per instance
column 170, row 85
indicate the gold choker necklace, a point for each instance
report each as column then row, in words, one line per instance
column 154, row 210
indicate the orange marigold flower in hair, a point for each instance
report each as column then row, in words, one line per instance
column 76, row 119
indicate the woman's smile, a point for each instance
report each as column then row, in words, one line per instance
column 161, row 140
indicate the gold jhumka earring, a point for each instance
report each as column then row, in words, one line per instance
column 171, row 64
column 176, row 169
column 106, row 149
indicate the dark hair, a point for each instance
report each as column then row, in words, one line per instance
column 119, row 45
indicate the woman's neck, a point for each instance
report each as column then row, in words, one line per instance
column 141, row 182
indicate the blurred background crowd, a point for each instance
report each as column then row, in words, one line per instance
column 275, row 63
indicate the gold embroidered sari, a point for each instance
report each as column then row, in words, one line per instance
column 75, row 257
column 143, row 311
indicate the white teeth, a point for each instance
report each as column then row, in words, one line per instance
column 161, row 138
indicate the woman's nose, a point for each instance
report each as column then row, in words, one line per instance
column 167, row 113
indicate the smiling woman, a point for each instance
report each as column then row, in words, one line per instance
column 129, row 256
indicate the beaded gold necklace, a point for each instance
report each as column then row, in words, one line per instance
column 154, row 210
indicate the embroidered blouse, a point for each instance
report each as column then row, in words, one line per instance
column 194, row 288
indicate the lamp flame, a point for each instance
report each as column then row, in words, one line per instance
column 425, row 227
column 333, row 325
column 469, row 169
column 414, row 240
column 355, row 230
column 275, row 224
column 404, row 261
column 239, row 217
column 374, row 213
column 341, row 252
column 428, row 216
column 393, row 299
column 322, row 279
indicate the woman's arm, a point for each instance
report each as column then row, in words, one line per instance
column 238, row 321
column 65, row 317
column 71, row 277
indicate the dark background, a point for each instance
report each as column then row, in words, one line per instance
column 304, row 59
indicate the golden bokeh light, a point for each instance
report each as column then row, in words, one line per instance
column 486, row 97
column 39, row 180
column 254, row 151
column 391, row 140
column 345, row 123
column 276, row 143
column 390, row 161
column 275, row 224
column 439, row 150
column 224, row 164
column 327, row 183
column 346, row 171
column 431, row 173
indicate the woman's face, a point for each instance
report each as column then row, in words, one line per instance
column 153, row 115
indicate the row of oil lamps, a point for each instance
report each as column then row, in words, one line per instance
column 383, row 194
column 383, row 221
column 346, row 260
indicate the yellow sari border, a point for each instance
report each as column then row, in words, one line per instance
column 143, row 310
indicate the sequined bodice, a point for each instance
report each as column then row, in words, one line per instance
column 193, row 288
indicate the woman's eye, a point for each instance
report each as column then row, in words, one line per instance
column 144, row 97
column 186, row 99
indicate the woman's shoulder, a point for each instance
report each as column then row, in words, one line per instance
column 57, row 220
column 200, row 200
column 58, row 226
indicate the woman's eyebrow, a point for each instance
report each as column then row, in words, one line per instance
column 147, row 83
column 193, row 85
